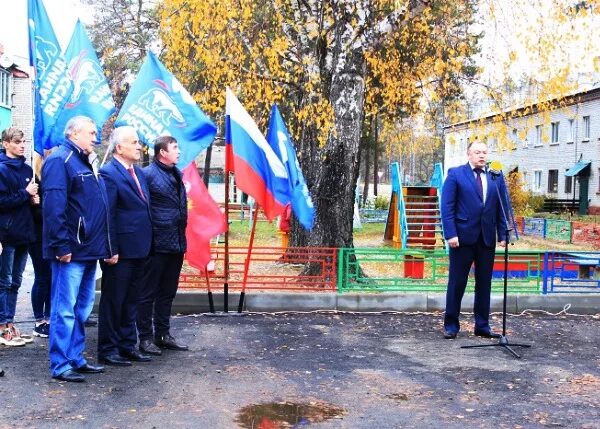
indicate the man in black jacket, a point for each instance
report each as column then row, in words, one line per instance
column 168, row 206
column 18, row 191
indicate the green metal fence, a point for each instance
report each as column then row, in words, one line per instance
column 559, row 230
column 381, row 270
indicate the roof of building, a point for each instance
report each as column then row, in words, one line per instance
column 590, row 93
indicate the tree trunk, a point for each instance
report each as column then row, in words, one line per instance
column 375, row 156
column 367, row 167
column 337, row 171
column 207, row 159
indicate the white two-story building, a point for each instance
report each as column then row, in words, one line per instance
column 557, row 150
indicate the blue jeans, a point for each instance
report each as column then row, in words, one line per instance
column 40, row 291
column 72, row 291
column 12, row 265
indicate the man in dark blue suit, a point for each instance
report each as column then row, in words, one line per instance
column 472, row 217
column 131, row 235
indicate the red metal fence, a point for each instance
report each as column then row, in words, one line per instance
column 271, row 268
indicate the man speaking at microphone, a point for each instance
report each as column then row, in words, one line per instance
column 473, row 220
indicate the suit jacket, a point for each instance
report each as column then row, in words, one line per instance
column 130, row 224
column 464, row 215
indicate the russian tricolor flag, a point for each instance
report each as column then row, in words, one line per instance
column 258, row 170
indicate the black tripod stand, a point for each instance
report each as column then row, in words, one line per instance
column 503, row 340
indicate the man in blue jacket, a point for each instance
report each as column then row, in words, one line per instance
column 161, row 273
column 472, row 217
column 18, row 191
column 131, row 238
column 75, row 237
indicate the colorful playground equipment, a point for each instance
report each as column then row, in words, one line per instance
column 414, row 217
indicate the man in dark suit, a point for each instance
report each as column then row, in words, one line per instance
column 131, row 235
column 472, row 218
column 162, row 269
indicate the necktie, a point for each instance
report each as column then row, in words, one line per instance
column 478, row 181
column 135, row 179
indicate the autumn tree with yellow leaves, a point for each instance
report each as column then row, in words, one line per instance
column 331, row 66
column 544, row 51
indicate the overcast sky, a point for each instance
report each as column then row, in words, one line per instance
column 500, row 35
column 13, row 25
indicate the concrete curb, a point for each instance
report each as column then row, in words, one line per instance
column 189, row 302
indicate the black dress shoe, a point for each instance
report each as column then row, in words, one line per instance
column 70, row 375
column 487, row 334
column 115, row 360
column 449, row 335
column 148, row 347
column 168, row 342
column 89, row 369
column 135, row 356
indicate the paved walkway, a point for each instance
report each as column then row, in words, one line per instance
column 324, row 371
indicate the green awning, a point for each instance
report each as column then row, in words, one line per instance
column 576, row 169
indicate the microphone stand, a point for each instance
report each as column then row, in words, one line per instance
column 503, row 340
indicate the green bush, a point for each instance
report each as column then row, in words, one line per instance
column 382, row 202
column 536, row 203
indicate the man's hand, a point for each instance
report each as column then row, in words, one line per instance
column 35, row 199
column 113, row 260
column 502, row 243
column 65, row 258
column 453, row 242
column 32, row 188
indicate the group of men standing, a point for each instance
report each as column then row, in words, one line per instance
column 130, row 219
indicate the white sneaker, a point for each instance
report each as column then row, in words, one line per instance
column 17, row 334
column 7, row 339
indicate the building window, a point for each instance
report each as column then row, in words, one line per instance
column 5, row 88
column 586, row 128
column 552, row 181
column 571, row 131
column 537, row 180
column 598, row 180
column 515, row 138
column 568, row 183
column 554, row 132
column 492, row 144
column 538, row 135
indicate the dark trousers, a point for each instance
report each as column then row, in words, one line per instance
column 161, row 278
column 40, row 291
column 461, row 259
column 121, row 284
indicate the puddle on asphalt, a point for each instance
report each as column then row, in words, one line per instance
column 284, row 415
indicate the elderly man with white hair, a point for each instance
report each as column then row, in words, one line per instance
column 131, row 239
column 75, row 237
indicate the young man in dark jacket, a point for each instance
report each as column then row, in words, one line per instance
column 168, row 206
column 17, row 193
column 75, row 237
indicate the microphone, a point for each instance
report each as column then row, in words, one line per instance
column 495, row 168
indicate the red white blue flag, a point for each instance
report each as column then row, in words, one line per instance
column 258, row 170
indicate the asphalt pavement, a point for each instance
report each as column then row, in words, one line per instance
column 322, row 370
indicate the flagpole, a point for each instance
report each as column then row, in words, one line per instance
column 226, row 258
column 210, row 295
column 247, row 261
